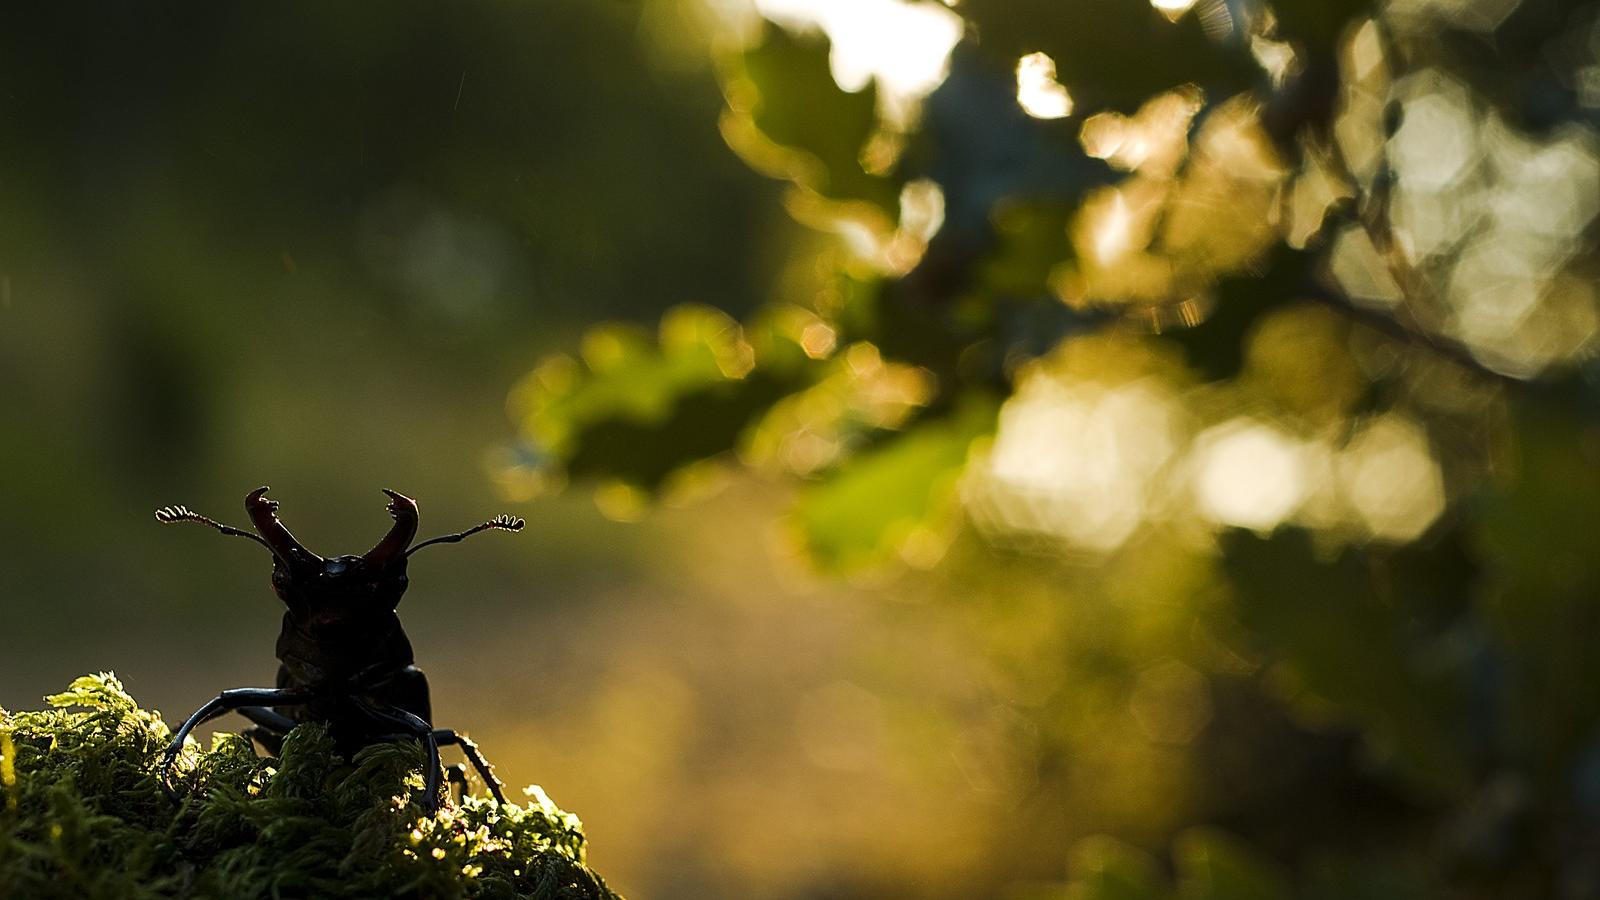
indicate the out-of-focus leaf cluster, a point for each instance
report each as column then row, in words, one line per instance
column 1214, row 161
column 1290, row 304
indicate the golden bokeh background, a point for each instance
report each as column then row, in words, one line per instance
column 1229, row 521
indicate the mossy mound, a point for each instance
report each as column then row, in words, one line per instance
column 82, row 815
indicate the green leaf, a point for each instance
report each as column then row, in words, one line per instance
column 1542, row 596
column 1214, row 866
column 1109, row 55
column 1030, row 241
column 1216, row 346
column 896, row 498
column 1361, row 632
column 1389, row 875
column 636, row 411
column 784, row 88
column 1106, row 869
column 1539, row 523
column 1319, row 22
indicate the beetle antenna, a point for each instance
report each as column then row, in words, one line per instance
column 167, row 515
column 500, row 523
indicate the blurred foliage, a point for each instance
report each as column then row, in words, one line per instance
column 84, row 816
column 804, row 126
column 1270, row 328
column 1209, row 866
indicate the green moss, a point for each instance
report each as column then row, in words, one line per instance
column 83, row 816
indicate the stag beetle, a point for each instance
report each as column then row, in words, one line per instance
column 345, row 659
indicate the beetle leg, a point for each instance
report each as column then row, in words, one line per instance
column 268, row 718
column 413, row 725
column 271, row 727
column 446, row 737
column 224, row 702
column 456, row 775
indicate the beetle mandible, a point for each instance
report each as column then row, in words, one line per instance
column 345, row 660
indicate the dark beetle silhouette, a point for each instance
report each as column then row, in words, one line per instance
column 345, row 659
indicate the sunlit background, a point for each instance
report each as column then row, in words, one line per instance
column 997, row 448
